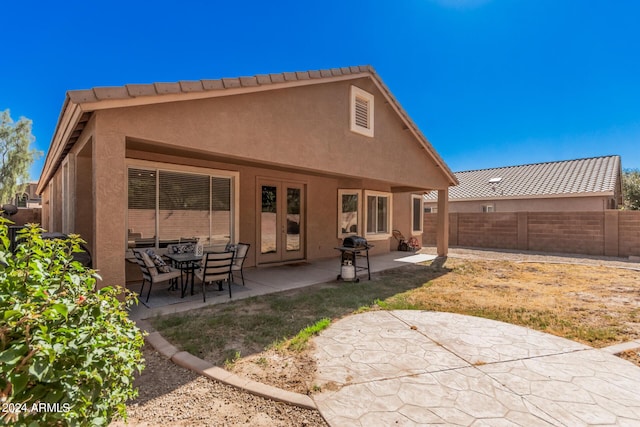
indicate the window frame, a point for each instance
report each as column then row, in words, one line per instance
column 377, row 194
column 419, row 197
column 488, row 208
column 211, row 173
column 356, row 92
column 359, row 216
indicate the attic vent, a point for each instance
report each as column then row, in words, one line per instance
column 361, row 112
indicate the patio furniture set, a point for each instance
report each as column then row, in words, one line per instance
column 186, row 264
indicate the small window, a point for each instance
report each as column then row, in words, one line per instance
column 21, row 200
column 378, row 214
column 416, row 213
column 348, row 212
column 430, row 210
column 361, row 112
column 488, row 208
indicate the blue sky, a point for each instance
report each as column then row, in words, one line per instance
column 489, row 82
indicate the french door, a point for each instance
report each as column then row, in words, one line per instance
column 281, row 217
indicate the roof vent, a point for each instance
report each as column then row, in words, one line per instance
column 361, row 111
column 495, row 180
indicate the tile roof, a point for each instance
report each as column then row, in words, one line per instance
column 569, row 177
column 189, row 86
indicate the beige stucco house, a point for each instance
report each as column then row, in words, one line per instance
column 578, row 185
column 290, row 163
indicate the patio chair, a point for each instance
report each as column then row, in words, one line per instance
column 216, row 267
column 151, row 273
column 242, row 250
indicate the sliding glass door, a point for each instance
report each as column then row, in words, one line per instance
column 166, row 207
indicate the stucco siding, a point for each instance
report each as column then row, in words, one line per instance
column 304, row 126
column 559, row 204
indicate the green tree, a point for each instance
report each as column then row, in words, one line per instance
column 631, row 188
column 16, row 156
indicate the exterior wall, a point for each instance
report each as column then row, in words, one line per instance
column 84, row 218
column 560, row 204
column 609, row 233
column 303, row 127
column 109, row 208
column 402, row 218
column 27, row 216
column 46, row 211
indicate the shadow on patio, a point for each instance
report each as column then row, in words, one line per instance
column 261, row 281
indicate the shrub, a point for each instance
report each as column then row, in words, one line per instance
column 68, row 352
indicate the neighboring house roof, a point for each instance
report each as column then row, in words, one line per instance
column 79, row 104
column 569, row 178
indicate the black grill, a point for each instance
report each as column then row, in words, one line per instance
column 355, row 242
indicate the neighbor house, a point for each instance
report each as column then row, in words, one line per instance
column 591, row 184
column 290, row 163
column 28, row 198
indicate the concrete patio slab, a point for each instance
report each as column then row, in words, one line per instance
column 259, row 281
column 423, row 368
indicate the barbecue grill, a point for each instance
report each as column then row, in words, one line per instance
column 355, row 242
column 353, row 247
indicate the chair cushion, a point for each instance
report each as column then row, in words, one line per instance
column 185, row 248
column 158, row 262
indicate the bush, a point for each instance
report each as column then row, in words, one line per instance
column 68, row 352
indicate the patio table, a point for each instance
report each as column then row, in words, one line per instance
column 187, row 263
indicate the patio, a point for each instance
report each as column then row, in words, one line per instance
column 261, row 281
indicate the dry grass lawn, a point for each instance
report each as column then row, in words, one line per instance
column 598, row 306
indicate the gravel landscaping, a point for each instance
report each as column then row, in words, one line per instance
column 174, row 396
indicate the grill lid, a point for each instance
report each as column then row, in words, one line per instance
column 354, row 242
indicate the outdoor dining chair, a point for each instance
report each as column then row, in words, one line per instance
column 151, row 274
column 216, row 267
column 242, row 250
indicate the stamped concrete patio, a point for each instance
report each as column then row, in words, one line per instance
column 420, row 368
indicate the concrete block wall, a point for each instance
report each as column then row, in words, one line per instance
column 27, row 216
column 629, row 233
column 499, row 230
column 610, row 233
column 571, row 232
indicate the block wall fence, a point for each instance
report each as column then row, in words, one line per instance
column 26, row 216
column 609, row 233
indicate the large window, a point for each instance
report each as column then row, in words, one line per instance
column 167, row 207
column 416, row 213
column 348, row 212
column 378, row 214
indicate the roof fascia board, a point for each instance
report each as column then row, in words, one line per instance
column 105, row 104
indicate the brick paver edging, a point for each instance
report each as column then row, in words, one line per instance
column 202, row 367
